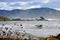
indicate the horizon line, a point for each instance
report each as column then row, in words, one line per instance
column 30, row 8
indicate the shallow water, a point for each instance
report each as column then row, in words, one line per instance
column 49, row 27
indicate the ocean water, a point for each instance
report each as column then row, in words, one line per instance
column 48, row 28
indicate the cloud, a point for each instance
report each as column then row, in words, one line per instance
column 26, row 4
column 34, row 6
column 41, row 1
column 57, row 9
column 4, row 5
column 45, row 1
column 55, row 0
column 17, row 5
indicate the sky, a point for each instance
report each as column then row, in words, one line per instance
column 28, row 4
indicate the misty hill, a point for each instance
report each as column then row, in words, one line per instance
column 31, row 13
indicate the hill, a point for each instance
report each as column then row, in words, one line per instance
column 31, row 13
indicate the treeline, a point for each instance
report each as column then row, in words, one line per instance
column 31, row 19
column 4, row 18
column 19, row 19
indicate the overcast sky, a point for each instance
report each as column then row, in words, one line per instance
column 28, row 4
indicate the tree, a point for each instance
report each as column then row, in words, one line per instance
column 39, row 26
column 42, row 18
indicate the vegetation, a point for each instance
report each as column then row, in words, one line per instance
column 16, row 19
column 9, row 39
column 4, row 18
column 50, row 37
column 39, row 26
column 41, row 19
column 54, row 37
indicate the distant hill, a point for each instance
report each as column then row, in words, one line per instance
column 4, row 18
column 31, row 13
